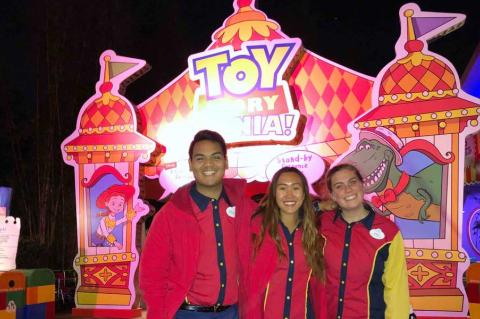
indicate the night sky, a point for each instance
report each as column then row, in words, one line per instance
column 50, row 50
column 165, row 33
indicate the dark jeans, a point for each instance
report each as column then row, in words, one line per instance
column 230, row 313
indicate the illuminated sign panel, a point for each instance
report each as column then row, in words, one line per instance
column 246, row 91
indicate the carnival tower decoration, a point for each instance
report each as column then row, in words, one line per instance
column 326, row 95
column 419, row 102
column 106, row 151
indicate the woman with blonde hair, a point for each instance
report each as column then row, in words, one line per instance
column 281, row 254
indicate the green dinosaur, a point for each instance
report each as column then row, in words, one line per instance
column 410, row 197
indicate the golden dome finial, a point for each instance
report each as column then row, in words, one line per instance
column 106, row 75
column 410, row 30
column 413, row 46
column 106, row 86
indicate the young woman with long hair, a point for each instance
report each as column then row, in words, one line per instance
column 282, row 254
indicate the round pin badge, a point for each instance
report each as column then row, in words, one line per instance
column 231, row 211
column 377, row 233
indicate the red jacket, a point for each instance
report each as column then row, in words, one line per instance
column 366, row 269
column 169, row 257
column 256, row 273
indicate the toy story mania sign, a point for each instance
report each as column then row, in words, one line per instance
column 245, row 92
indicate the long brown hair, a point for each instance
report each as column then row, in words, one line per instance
column 312, row 242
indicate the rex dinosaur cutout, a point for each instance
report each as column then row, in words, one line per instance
column 413, row 193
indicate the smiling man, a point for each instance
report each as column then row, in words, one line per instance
column 188, row 267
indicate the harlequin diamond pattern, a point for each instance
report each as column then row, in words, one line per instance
column 387, row 85
column 407, row 83
column 126, row 116
column 311, row 94
column 112, row 117
column 100, row 115
column 95, row 120
column 171, row 103
column 343, row 90
column 430, row 76
column 334, row 89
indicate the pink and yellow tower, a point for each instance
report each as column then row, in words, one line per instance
column 106, row 151
column 419, row 102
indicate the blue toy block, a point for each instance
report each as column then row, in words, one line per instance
column 35, row 311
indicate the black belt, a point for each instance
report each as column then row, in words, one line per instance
column 188, row 307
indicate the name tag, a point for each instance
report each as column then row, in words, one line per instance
column 377, row 233
column 231, row 211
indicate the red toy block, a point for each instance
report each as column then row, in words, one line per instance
column 50, row 310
